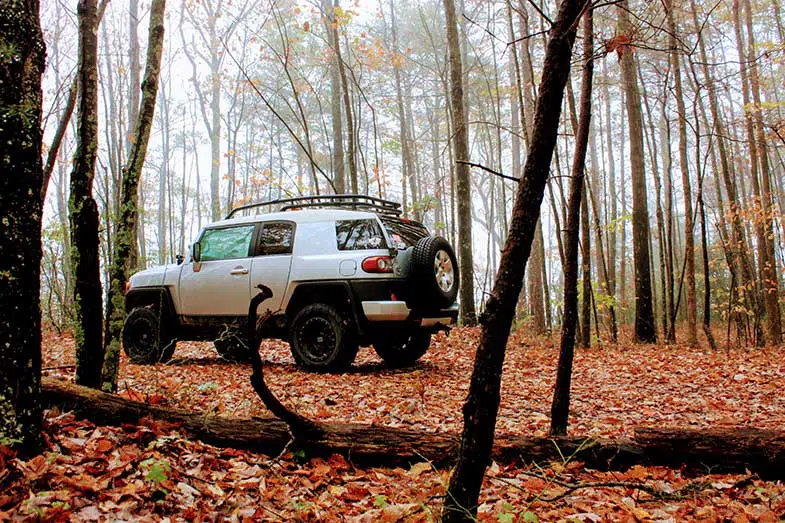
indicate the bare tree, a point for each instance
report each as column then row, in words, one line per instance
column 123, row 241
column 83, row 209
column 560, row 407
column 645, row 329
column 689, row 238
column 460, row 144
column 482, row 402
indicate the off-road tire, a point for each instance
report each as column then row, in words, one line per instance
column 322, row 339
column 147, row 337
column 425, row 286
column 402, row 350
column 233, row 347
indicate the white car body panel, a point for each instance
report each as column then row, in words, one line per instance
column 225, row 287
column 153, row 277
column 273, row 271
column 217, row 288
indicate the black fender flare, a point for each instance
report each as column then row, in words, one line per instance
column 337, row 293
column 158, row 297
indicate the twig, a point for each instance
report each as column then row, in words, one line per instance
column 298, row 425
column 488, row 169
column 572, row 487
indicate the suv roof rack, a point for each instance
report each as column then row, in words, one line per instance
column 355, row 202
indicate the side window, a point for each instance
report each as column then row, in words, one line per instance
column 226, row 243
column 276, row 238
column 356, row 235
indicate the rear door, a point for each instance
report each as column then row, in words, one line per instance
column 220, row 284
column 273, row 261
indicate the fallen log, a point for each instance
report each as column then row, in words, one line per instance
column 733, row 450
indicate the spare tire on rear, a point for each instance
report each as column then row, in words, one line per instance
column 434, row 274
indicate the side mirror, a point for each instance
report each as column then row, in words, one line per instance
column 179, row 259
column 197, row 252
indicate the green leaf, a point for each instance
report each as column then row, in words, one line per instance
column 380, row 501
column 158, row 472
column 530, row 517
column 505, row 518
column 207, row 387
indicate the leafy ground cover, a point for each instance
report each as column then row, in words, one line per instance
column 152, row 471
column 615, row 388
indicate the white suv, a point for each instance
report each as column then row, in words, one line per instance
column 344, row 271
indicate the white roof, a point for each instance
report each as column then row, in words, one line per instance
column 303, row 216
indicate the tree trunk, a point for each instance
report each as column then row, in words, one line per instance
column 760, row 230
column 339, row 177
column 460, row 140
column 347, row 107
column 560, row 407
column 402, row 125
column 689, row 242
column 614, row 328
column 612, row 241
column 482, row 402
column 20, row 227
column 586, row 290
column 123, row 241
column 57, row 140
column 724, row 450
column 645, row 329
column 83, row 209
column 535, row 283
column 768, row 264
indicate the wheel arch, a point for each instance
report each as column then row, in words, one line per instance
column 335, row 293
column 160, row 298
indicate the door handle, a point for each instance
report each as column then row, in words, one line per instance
column 238, row 271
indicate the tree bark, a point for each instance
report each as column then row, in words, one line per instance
column 760, row 230
column 736, row 247
column 57, row 140
column 83, row 209
column 21, row 67
column 645, row 329
column 726, row 450
column 586, row 290
column 689, row 234
column 460, row 144
column 535, row 283
column 482, row 403
column 560, row 407
column 347, row 107
column 768, row 265
column 339, row 177
column 124, row 238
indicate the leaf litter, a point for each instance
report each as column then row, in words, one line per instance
column 153, row 472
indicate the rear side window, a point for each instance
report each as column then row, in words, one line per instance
column 357, row 235
column 404, row 233
column 226, row 243
column 276, row 238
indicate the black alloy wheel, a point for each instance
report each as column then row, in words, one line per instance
column 322, row 339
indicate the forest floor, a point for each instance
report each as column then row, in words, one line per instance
column 151, row 471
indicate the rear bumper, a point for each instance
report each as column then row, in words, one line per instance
column 391, row 311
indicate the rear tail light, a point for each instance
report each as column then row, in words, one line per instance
column 127, row 286
column 377, row 264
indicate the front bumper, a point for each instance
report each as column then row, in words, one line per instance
column 392, row 311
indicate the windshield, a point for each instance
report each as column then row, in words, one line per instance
column 404, row 233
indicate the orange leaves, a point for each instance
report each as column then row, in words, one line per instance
column 93, row 471
column 620, row 43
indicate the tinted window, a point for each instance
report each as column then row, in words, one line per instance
column 276, row 238
column 404, row 233
column 355, row 235
column 227, row 243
